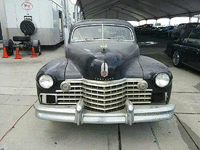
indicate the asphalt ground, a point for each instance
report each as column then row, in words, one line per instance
column 21, row 130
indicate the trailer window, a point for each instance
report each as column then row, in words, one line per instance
column 60, row 23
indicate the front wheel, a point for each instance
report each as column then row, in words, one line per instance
column 176, row 59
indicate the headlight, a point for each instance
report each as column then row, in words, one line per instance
column 162, row 80
column 46, row 81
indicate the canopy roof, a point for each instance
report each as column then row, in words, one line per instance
column 136, row 10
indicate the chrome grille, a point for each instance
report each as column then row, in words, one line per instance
column 104, row 96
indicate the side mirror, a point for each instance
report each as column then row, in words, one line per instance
column 147, row 43
column 140, row 44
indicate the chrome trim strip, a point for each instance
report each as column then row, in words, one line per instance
column 104, row 95
column 44, row 96
column 140, row 102
column 107, row 99
column 104, row 109
column 104, row 104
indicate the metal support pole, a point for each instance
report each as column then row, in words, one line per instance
column 4, row 25
column 66, row 23
column 79, row 15
column 169, row 21
column 76, row 12
column 190, row 18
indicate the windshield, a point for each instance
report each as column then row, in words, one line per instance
column 94, row 32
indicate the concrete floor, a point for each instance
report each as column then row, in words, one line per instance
column 18, row 94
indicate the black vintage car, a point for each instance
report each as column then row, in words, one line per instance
column 185, row 50
column 164, row 31
column 183, row 27
column 103, row 79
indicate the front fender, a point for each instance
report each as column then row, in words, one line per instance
column 151, row 67
column 56, row 69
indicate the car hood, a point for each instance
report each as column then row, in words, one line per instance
column 92, row 58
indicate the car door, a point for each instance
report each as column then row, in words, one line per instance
column 198, row 55
column 192, row 44
column 196, row 47
column 182, row 47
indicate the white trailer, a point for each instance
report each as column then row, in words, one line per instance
column 45, row 14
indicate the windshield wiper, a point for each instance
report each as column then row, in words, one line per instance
column 88, row 39
column 115, row 38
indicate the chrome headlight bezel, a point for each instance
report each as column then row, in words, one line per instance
column 162, row 80
column 46, row 81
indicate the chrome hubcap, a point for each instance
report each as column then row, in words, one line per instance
column 176, row 58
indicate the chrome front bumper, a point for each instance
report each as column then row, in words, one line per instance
column 131, row 114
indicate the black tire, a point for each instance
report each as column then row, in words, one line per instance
column 21, row 38
column 38, row 48
column 9, row 45
column 177, row 59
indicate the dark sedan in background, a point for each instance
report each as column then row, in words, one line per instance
column 165, row 31
column 182, row 28
column 186, row 50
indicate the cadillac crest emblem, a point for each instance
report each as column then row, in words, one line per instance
column 104, row 70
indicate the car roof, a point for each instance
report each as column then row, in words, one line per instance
column 103, row 21
column 185, row 34
column 193, row 23
column 195, row 29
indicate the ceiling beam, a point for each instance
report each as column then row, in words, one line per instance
column 97, row 12
column 130, row 11
column 91, row 3
column 182, row 14
column 151, row 6
column 81, row 8
column 140, row 10
column 100, row 6
column 116, row 12
column 126, row 14
column 176, row 5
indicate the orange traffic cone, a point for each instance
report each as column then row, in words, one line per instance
column 33, row 53
column 17, row 54
column 5, row 54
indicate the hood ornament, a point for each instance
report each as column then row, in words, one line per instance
column 104, row 70
column 103, row 46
